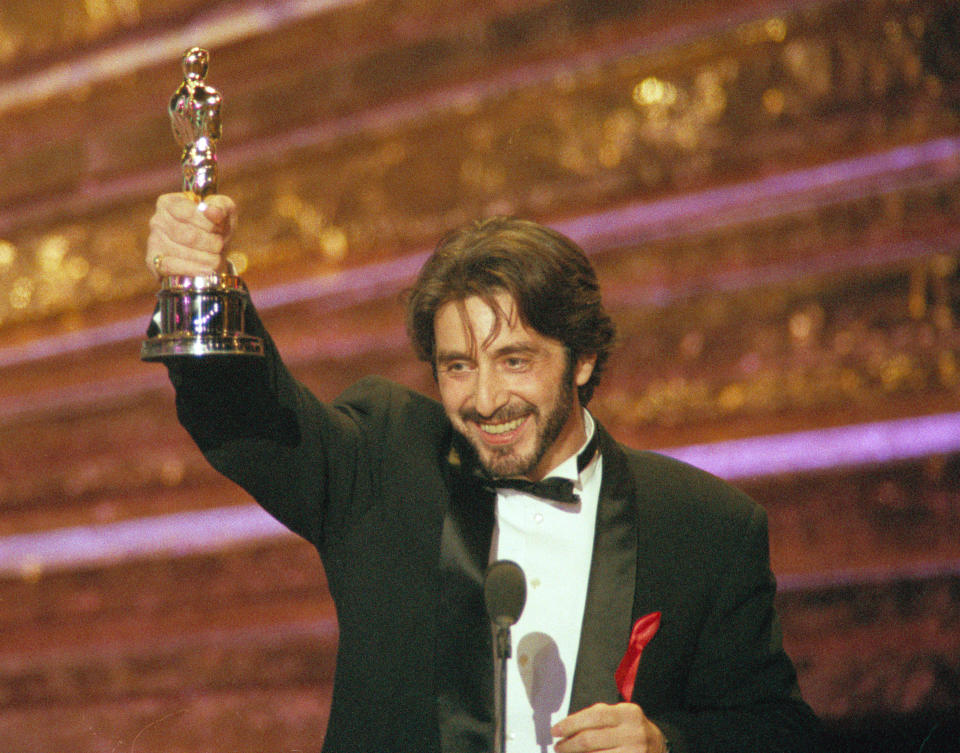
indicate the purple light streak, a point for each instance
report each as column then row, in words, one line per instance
column 670, row 217
column 177, row 535
column 822, row 449
column 216, row 28
column 205, row 531
column 754, row 200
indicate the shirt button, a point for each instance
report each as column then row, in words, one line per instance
column 538, row 517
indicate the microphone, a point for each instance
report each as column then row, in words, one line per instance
column 505, row 593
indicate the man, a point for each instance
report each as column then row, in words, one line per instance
column 649, row 624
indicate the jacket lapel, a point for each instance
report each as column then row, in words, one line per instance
column 610, row 593
column 464, row 648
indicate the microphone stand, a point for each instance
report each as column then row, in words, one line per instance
column 505, row 592
column 503, row 653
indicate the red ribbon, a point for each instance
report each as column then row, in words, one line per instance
column 643, row 631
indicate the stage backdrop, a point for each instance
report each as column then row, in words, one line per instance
column 768, row 189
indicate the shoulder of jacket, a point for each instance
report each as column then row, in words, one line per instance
column 380, row 399
column 691, row 491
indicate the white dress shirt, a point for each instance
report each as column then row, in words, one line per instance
column 553, row 543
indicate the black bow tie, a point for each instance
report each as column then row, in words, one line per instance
column 553, row 488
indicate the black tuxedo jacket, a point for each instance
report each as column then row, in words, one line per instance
column 368, row 479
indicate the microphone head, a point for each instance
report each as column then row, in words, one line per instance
column 505, row 592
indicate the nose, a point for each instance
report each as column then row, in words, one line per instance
column 490, row 392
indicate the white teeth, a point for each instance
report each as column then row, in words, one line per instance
column 501, row 428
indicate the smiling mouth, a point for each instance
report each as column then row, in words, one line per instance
column 501, row 428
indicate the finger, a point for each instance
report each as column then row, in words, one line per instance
column 186, row 233
column 216, row 214
column 169, row 266
column 181, row 207
column 602, row 727
column 221, row 211
column 603, row 740
column 159, row 242
column 164, row 256
column 598, row 715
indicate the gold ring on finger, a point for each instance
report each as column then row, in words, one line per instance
column 157, row 261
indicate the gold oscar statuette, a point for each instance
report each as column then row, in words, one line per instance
column 199, row 315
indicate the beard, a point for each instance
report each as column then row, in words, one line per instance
column 503, row 462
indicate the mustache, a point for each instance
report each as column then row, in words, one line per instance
column 499, row 416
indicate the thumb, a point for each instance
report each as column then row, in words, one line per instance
column 221, row 211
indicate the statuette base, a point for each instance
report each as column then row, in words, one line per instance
column 201, row 316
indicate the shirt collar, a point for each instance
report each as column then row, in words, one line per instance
column 568, row 468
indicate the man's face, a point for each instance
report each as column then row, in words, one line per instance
column 508, row 389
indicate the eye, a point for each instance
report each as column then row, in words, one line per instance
column 516, row 363
column 456, row 367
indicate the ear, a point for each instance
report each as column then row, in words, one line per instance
column 583, row 368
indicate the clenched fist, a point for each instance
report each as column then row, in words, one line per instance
column 187, row 238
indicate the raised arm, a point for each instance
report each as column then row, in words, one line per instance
column 252, row 420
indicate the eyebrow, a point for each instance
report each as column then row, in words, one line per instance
column 504, row 350
column 515, row 348
column 452, row 355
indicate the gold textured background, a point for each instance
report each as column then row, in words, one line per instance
column 768, row 190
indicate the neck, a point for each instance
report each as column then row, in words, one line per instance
column 566, row 445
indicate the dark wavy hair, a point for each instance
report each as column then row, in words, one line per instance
column 545, row 272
